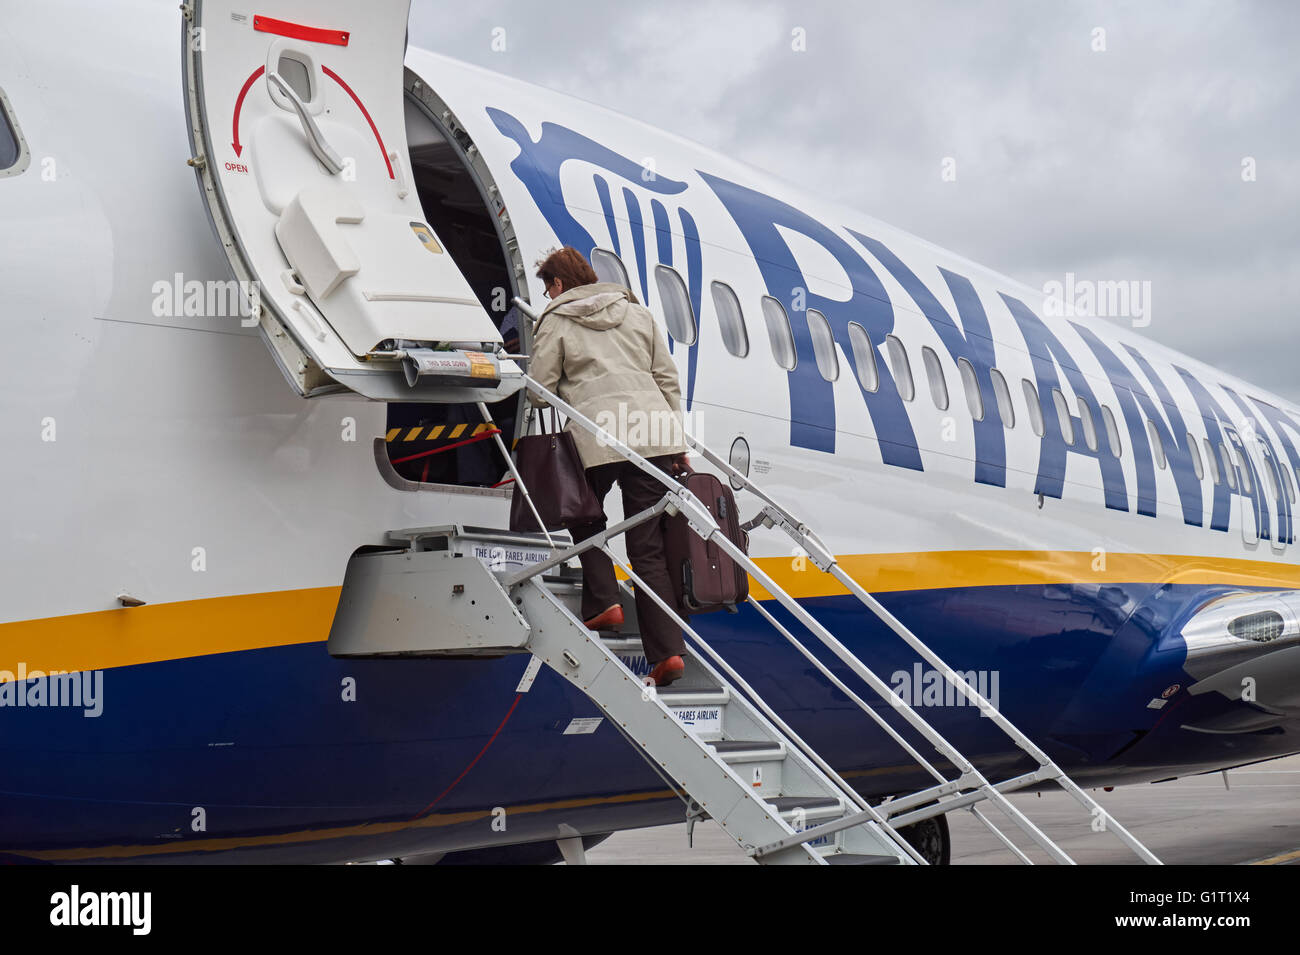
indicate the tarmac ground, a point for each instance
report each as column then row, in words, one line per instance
column 1192, row 821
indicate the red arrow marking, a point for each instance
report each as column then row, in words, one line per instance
column 364, row 112
column 248, row 84
column 239, row 104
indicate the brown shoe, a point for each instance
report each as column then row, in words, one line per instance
column 666, row 671
column 611, row 618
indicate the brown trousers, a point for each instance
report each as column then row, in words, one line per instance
column 645, row 548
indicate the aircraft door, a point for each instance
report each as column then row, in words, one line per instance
column 1254, row 514
column 298, row 130
column 1276, row 483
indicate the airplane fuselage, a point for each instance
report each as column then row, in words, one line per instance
column 155, row 451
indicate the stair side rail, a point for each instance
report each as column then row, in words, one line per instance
column 775, row 515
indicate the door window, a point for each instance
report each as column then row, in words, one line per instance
column 13, row 149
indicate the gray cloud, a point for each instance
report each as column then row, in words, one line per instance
column 1123, row 164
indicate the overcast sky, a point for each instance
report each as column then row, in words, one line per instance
column 1122, row 164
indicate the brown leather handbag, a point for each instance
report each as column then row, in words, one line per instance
column 552, row 471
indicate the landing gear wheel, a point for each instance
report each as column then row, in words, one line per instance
column 930, row 838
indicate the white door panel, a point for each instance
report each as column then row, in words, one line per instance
column 297, row 114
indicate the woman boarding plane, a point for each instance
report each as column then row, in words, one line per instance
column 604, row 353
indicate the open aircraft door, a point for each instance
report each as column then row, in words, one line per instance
column 295, row 110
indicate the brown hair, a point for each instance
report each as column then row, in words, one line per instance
column 569, row 266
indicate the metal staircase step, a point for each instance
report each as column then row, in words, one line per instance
column 748, row 751
column 760, row 764
column 851, row 858
column 695, row 696
column 809, row 803
column 802, row 812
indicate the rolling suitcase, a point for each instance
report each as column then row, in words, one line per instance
column 704, row 576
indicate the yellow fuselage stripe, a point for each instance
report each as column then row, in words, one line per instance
column 172, row 631
column 152, row 633
column 933, row 570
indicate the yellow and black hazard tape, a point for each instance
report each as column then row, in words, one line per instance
column 442, row 437
column 437, row 432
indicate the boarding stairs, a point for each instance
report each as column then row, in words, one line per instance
column 469, row 591
column 750, row 774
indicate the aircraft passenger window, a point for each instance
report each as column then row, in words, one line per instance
column 1112, row 431
column 934, row 372
column 730, row 319
column 13, row 152
column 1229, row 472
column 1247, row 485
column 901, row 367
column 828, row 363
column 1156, row 444
column 778, row 333
column 1290, row 487
column 1089, row 424
column 609, row 267
column 1035, row 407
column 1213, row 461
column 1006, row 410
column 974, row 400
column 1197, row 466
column 864, row 357
column 678, row 312
column 1063, row 416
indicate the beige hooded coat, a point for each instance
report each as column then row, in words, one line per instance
column 604, row 354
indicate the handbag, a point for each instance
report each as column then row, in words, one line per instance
column 551, row 470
